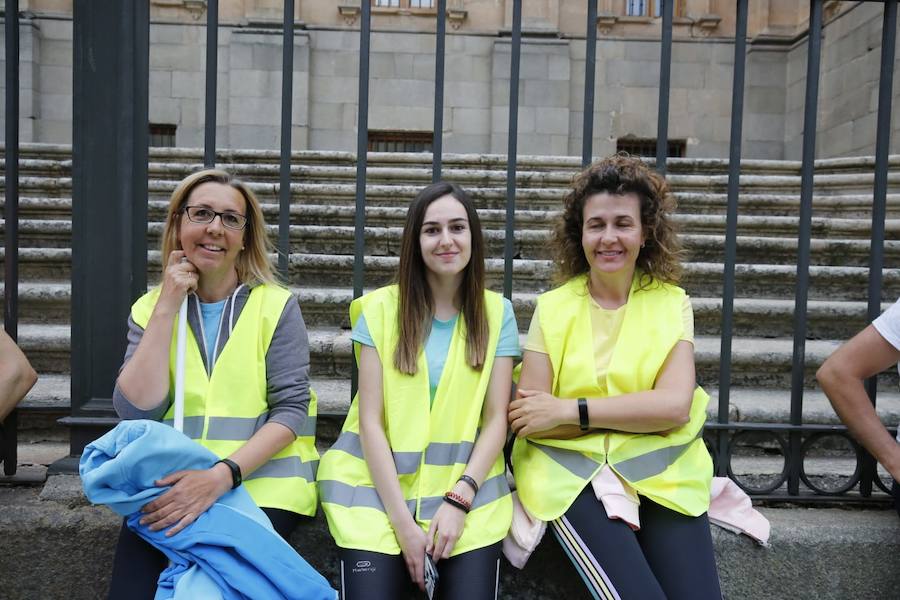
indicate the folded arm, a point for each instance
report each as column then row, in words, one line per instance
column 537, row 413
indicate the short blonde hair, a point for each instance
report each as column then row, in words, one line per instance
column 253, row 264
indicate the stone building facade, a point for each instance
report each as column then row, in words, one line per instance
column 326, row 44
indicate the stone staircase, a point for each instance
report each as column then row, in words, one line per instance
column 322, row 238
column 54, row 524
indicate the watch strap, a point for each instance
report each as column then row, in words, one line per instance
column 236, row 476
column 583, row 422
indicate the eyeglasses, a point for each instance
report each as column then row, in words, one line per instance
column 202, row 214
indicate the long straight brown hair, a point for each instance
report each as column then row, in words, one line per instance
column 416, row 302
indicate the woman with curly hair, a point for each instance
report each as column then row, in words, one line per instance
column 607, row 398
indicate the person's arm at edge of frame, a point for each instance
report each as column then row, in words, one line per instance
column 537, row 414
column 380, row 460
column 841, row 377
column 17, row 376
column 446, row 526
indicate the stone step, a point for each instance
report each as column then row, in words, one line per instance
column 423, row 159
column 31, row 157
column 47, row 208
column 701, row 279
column 50, row 302
column 529, row 243
column 755, row 362
column 49, row 399
column 835, row 195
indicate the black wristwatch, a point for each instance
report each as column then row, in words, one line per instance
column 236, row 477
column 583, row 421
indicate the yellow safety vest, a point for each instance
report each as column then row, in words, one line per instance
column 431, row 445
column 224, row 410
column 674, row 468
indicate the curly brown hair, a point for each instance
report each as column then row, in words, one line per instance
column 660, row 257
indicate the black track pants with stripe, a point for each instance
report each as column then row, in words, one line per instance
column 670, row 558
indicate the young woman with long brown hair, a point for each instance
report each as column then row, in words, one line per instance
column 417, row 473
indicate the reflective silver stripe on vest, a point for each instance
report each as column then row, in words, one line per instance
column 492, row 489
column 308, row 429
column 443, row 453
column 652, row 463
column 573, row 461
column 234, row 429
column 437, row 453
column 290, row 466
column 343, row 494
column 193, row 426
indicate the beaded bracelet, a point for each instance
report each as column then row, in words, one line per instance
column 454, row 499
column 470, row 480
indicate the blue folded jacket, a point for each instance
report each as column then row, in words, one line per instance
column 230, row 551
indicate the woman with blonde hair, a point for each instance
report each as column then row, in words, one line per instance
column 607, row 400
column 247, row 395
column 416, row 479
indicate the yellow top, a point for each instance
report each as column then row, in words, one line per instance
column 606, row 323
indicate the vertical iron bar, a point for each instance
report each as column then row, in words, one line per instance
column 362, row 148
column 802, row 285
column 511, row 152
column 212, row 51
column 734, row 178
column 8, row 434
column 665, row 76
column 110, row 70
column 590, row 71
column 284, row 186
column 11, row 212
column 437, row 136
column 879, row 201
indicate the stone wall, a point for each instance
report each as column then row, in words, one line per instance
column 476, row 94
column 848, row 87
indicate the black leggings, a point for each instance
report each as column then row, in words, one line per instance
column 137, row 564
column 670, row 557
column 472, row 575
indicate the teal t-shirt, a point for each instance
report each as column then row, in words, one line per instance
column 212, row 316
column 438, row 343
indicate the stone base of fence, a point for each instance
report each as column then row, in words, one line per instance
column 55, row 545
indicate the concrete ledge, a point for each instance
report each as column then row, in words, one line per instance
column 55, row 546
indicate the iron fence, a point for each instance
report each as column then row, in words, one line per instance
column 793, row 441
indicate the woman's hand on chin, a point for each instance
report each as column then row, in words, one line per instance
column 534, row 411
column 179, row 279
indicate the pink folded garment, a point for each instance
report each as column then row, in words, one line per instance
column 730, row 508
column 619, row 499
column 524, row 535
